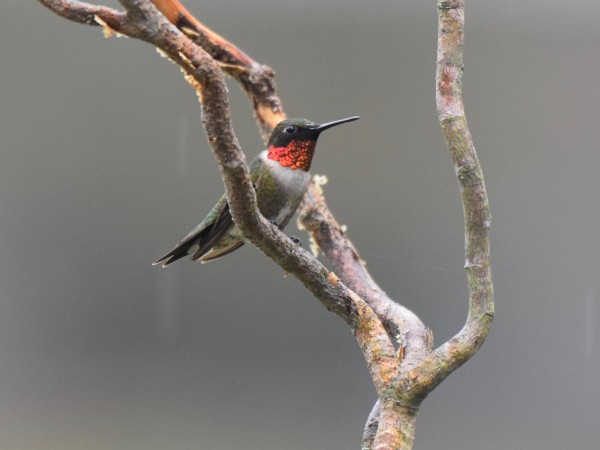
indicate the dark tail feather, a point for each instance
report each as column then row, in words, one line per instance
column 202, row 238
column 181, row 251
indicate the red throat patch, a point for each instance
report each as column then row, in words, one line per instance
column 296, row 155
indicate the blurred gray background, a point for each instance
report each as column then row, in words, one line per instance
column 104, row 167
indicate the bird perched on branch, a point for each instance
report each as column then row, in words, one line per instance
column 279, row 175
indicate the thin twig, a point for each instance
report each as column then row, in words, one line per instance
column 255, row 79
column 86, row 13
column 456, row 351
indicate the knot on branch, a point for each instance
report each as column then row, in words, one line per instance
column 261, row 75
column 467, row 170
column 446, row 5
column 310, row 219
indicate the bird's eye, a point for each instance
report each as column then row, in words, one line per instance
column 290, row 129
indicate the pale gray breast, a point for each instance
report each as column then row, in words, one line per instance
column 293, row 183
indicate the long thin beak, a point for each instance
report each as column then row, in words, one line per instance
column 324, row 126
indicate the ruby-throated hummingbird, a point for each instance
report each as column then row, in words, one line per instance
column 279, row 175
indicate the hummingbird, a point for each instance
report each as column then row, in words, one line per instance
column 280, row 177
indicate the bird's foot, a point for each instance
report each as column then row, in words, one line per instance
column 296, row 241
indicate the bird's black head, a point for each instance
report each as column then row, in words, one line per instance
column 298, row 130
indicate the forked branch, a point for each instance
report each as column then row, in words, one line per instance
column 403, row 376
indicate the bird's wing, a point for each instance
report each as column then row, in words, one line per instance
column 214, row 226
column 203, row 236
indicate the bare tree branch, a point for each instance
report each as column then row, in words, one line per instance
column 456, row 351
column 399, row 321
column 423, row 370
column 402, row 377
column 255, row 79
column 84, row 12
column 412, row 335
column 144, row 21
